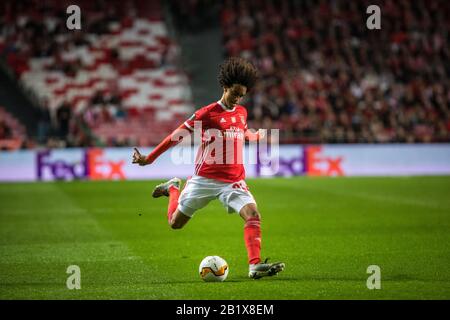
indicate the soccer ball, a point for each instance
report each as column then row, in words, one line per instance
column 213, row 269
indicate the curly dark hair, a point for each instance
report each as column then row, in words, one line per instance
column 236, row 70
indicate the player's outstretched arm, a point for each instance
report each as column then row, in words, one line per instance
column 171, row 140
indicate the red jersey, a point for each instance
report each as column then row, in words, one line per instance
column 220, row 155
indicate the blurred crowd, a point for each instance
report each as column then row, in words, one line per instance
column 5, row 131
column 324, row 76
column 12, row 133
column 193, row 16
column 327, row 78
column 37, row 29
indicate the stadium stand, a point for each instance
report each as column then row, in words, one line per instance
column 326, row 78
column 117, row 76
column 12, row 132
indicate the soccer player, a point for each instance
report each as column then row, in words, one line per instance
column 218, row 172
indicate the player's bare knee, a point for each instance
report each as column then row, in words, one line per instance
column 179, row 220
column 254, row 214
column 176, row 226
column 250, row 212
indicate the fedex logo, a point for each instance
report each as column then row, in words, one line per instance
column 51, row 168
column 309, row 160
column 90, row 165
column 100, row 169
column 319, row 165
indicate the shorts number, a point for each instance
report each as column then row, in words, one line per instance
column 240, row 186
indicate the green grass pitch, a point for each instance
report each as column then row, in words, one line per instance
column 327, row 231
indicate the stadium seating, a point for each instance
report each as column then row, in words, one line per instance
column 12, row 133
column 133, row 58
column 326, row 78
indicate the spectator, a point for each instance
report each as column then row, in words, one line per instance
column 63, row 116
column 44, row 124
column 345, row 83
column 5, row 131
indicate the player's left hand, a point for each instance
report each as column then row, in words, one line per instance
column 139, row 158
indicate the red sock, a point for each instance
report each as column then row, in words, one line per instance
column 252, row 236
column 174, row 193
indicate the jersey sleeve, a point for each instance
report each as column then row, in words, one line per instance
column 246, row 124
column 171, row 140
column 199, row 115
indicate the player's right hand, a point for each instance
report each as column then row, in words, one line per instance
column 139, row 158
